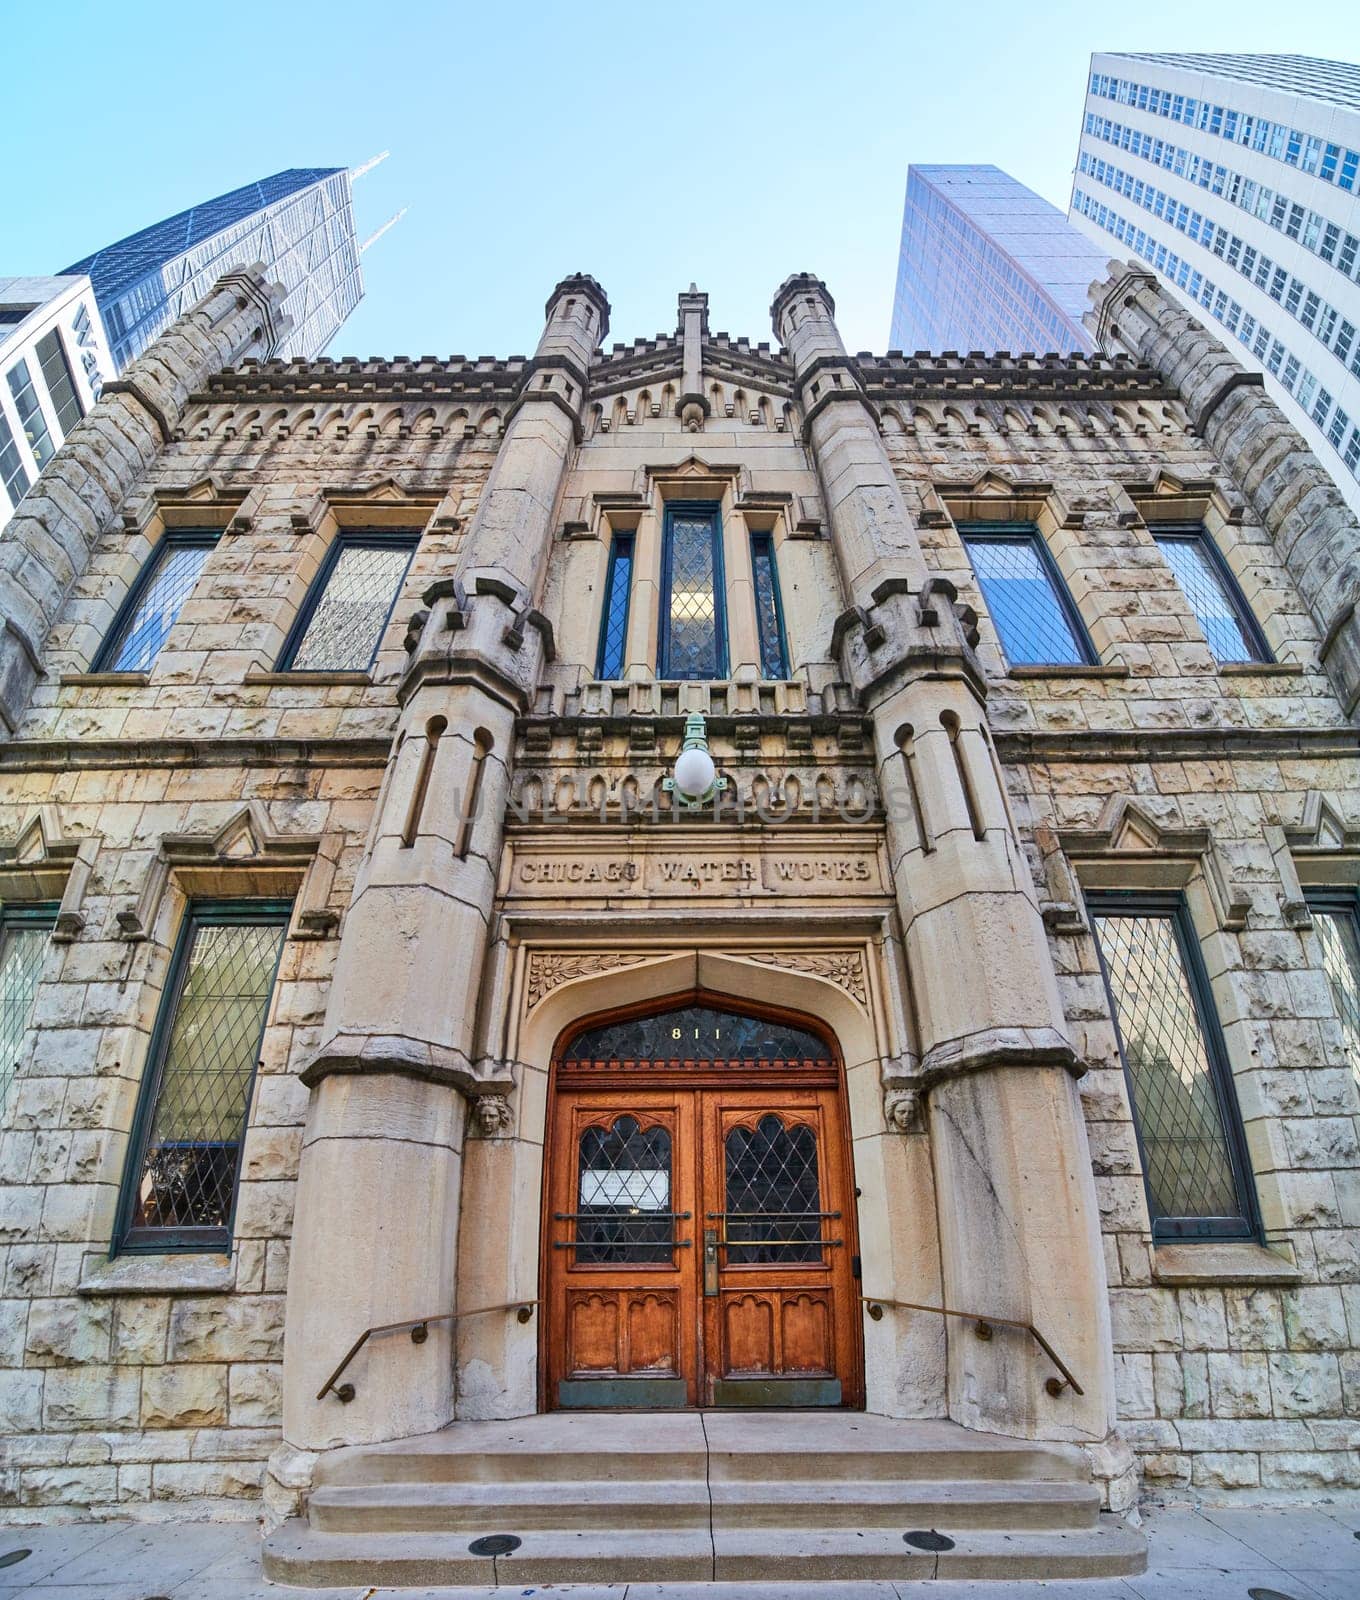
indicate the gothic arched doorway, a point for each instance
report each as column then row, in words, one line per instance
column 699, row 1214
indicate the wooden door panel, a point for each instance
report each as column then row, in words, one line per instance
column 748, row 1322
column 806, row 1332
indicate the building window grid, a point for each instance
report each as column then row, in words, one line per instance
column 31, row 418
column 617, row 601
column 181, row 1178
column 154, row 602
column 1032, row 610
column 60, row 380
column 24, row 934
column 1255, row 336
column 342, row 622
column 1196, row 1171
column 12, row 469
column 774, row 654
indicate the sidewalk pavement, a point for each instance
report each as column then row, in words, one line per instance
column 1217, row 1553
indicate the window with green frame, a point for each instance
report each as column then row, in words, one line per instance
column 1031, row 609
column 179, row 1185
column 346, row 613
column 774, row 655
column 154, row 602
column 24, row 932
column 609, row 663
column 1185, row 1111
column 1336, row 921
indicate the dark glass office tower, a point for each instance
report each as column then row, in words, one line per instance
column 986, row 264
column 300, row 223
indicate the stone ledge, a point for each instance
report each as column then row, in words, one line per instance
column 1069, row 670
column 256, row 675
column 104, row 680
column 181, row 1273
column 1262, row 669
column 1221, row 1261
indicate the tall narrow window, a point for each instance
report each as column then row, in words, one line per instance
column 693, row 630
column 60, row 381
column 1029, row 604
column 1185, row 1110
column 1219, row 606
column 27, row 404
column 179, row 1187
column 12, row 469
column 155, row 602
column 769, row 608
column 614, row 621
column 342, row 623
column 1336, row 920
column 23, row 943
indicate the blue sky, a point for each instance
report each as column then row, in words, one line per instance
column 649, row 144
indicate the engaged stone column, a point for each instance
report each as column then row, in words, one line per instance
column 1292, row 492
column 48, row 542
column 1019, row 1228
column 375, row 1236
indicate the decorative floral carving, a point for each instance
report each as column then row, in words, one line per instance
column 493, row 1114
column 844, row 968
column 902, row 1110
column 550, row 969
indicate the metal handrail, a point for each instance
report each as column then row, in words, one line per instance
column 420, row 1331
column 983, row 1328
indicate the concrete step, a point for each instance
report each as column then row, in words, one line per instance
column 513, row 1506
column 300, row 1555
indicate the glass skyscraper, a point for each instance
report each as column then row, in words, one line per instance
column 1237, row 178
column 986, row 264
column 299, row 223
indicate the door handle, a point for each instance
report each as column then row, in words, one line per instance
column 710, row 1261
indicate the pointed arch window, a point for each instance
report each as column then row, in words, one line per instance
column 693, row 603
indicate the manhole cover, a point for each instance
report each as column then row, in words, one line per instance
column 494, row 1544
column 928, row 1540
column 12, row 1558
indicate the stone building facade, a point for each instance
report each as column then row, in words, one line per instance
column 980, row 644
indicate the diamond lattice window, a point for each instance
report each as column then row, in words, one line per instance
column 23, row 943
column 1186, row 1124
column 1219, row 609
column 693, row 641
column 773, row 1194
column 624, row 1196
column 154, row 605
column 769, row 615
column 1339, row 936
column 1031, row 613
column 197, row 1092
column 343, row 624
column 614, row 624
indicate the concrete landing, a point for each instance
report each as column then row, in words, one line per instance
column 701, row 1496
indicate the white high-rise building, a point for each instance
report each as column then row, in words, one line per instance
column 1237, row 177
column 54, row 359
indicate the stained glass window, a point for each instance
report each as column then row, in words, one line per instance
column 1336, row 920
column 624, row 1212
column 180, row 1184
column 614, row 623
column 693, row 632
column 23, row 944
column 1029, row 606
column 153, row 607
column 342, row 624
column 696, row 1033
column 1189, row 1128
column 1213, row 594
column 769, row 611
column 773, row 1194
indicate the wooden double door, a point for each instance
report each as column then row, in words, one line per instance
column 699, row 1227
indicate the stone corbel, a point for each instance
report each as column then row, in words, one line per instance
column 1060, row 901
column 245, row 840
column 45, row 863
column 1293, row 903
column 492, row 1116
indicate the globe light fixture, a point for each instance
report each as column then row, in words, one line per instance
column 695, row 780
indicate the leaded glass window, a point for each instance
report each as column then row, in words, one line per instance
column 179, row 1188
column 1336, row 921
column 153, row 607
column 696, row 1033
column 693, row 631
column 769, row 610
column 1185, row 1111
column 624, row 1214
column 773, row 1194
column 1218, row 604
column 23, row 944
column 342, row 624
column 29, row 407
column 1026, row 598
column 614, row 622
